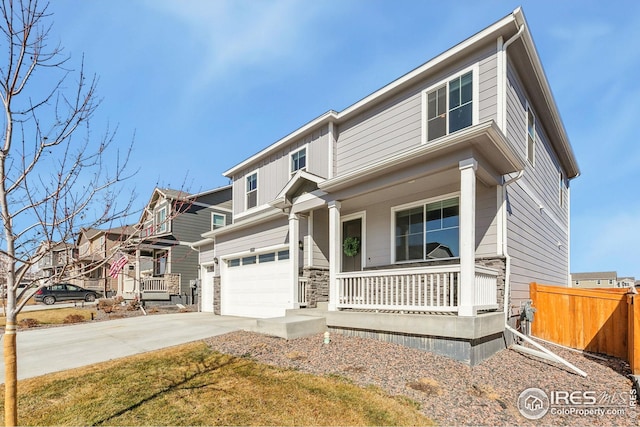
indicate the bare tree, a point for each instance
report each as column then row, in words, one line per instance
column 56, row 176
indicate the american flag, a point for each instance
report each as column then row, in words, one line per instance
column 117, row 266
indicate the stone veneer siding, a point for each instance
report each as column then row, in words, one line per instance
column 216, row 295
column 318, row 285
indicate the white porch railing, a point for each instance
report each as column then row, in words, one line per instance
column 303, row 282
column 434, row 288
column 153, row 284
column 486, row 288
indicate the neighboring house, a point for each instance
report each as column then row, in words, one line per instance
column 626, row 282
column 601, row 279
column 56, row 260
column 410, row 214
column 96, row 251
column 163, row 264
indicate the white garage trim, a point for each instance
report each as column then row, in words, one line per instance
column 207, row 274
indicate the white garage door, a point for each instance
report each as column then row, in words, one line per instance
column 256, row 285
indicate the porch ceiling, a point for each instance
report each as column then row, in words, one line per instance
column 484, row 142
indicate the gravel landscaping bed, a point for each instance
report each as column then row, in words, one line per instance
column 450, row 392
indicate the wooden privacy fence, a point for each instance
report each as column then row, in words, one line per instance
column 597, row 320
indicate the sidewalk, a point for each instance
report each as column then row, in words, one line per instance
column 47, row 350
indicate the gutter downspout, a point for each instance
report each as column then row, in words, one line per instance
column 543, row 352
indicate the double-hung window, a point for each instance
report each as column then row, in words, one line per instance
column 161, row 220
column 299, row 160
column 218, row 220
column 449, row 106
column 252, row 190
column 428, row 231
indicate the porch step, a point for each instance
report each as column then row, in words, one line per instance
column 290, row 327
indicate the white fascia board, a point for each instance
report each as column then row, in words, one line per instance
column 203, row 242
column 250, row 222
column 543, row 82
column 211, row 191
column 325, row 118
column 391, row 87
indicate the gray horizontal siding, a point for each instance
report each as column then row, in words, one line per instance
column 536, row 222
column 488, row 89
column 486, row 223
column 395, row 125
column 206, row 254
column 184, row 261
column 389, row 129
column 262, row 235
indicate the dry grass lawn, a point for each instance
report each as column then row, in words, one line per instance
column 54, row 316
column 193, row 385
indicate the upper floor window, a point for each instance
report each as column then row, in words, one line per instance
column 531, row 136
column 252, row 190
column 450, row 106
column 161, row 220
column 299, row 160
column 428, row 231
column 218, row 220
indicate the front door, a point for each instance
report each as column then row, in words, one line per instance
column 352, row 245
column 207, row 289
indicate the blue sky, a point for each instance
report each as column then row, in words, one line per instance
column 205, row 84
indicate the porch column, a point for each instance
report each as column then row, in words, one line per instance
column 294, row 256
column 335, row 254
column 467, row 301
column 137, row 282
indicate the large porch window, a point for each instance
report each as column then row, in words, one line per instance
column 429, row 231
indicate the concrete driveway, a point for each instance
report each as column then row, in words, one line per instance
column 47, row 350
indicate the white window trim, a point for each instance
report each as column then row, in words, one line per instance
column 246, row 193
column 304, row 147
column 363, row 241
column 475, row 69
column 224, row 220
column 528, row 108
column 162, row 224
column 392, row 222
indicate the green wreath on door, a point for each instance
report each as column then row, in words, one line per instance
column 351, row 246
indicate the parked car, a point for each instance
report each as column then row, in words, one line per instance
column 64, row 292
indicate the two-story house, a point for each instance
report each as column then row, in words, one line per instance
column 96, row 250
column 55, row 260
column 419, row 214
column 163, row 264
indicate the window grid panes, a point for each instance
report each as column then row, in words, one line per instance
column 217, row 221
column 252, row 190
column 450, row 107
column 299, row 160
column 430, row 231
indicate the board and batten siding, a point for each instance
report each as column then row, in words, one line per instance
column 266, row 234
column 274, row 171
column 395, row 125
column 537, row 224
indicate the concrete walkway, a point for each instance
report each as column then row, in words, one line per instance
column 47, row 350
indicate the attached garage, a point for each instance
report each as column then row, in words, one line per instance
column 256, row 284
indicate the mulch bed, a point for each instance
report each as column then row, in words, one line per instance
column 450, row 392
